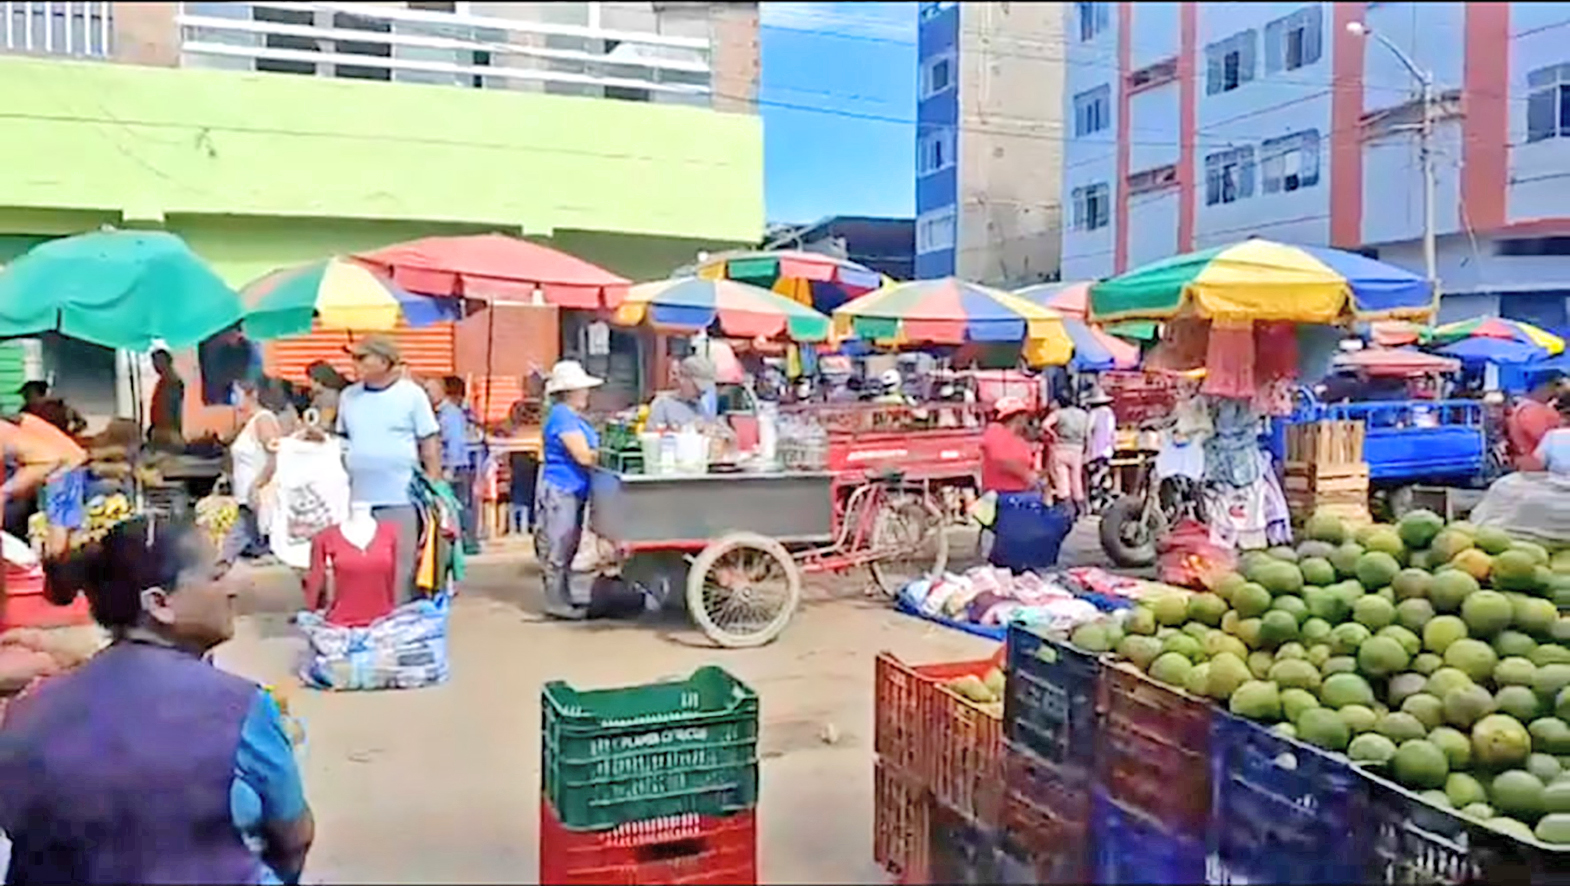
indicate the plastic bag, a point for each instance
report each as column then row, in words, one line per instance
column 1187, row 557
column 1529, row 506
column 405, row 649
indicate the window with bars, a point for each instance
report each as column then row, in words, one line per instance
column 1230, row 63
column 1291, row 162
column 1094, row 18
column 1092, row 111
column 935, row 151
column 1092, row 207
column 935, row 230
column 1294, row 41
column 1229, row 175
column 57, row 28
column 1548, row 103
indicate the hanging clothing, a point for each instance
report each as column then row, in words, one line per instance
column 1229, row 360
column 439, row 558
column 363, row 579
column 312, row 492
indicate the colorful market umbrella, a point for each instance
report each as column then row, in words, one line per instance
column 820, row 281
column 1393, row 333
column 116, row 289
column 1496, row 328
column 1068, row 299
column 1494, row 350
column 496, row 267
column 742, row 311
column 1396, row 362
column 1263, row 280
column 950, row 311
column 1094, row 348
column 337, row 293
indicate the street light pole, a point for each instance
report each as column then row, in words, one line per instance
column 1425, row 131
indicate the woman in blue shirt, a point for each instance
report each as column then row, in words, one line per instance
column 570, row 445
column 189, row 768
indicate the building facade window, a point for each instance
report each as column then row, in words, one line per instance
column 1229, row 63
column 933, row 10
column 1093, row 19
column 1149, row 180
column 1229, row 175
column 937, row 74
column 1092, row 111
column 1548, row 103
column 1291, row 162
column 935, row 230
column 1092, row 207
column 57, row 28
column 1294, row 41
column 935, row 151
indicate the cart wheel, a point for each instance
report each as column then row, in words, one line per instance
column 914, row 529
column 743, row 589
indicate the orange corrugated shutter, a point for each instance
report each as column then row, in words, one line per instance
column 428, row 350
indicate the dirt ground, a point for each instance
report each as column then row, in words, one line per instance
column 442, row 784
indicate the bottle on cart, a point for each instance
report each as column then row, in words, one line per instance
column 667, row 450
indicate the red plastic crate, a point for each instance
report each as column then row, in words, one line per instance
column 947, row 742
column 1154, row 755
column 1046, row 815
column 690, row 850
column 23, row 604
column 901, row 823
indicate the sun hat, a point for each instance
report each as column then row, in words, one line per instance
column 381, row 346
column 698, row 368
column 1097, row 397
column 1009, row 406
column 568, row 375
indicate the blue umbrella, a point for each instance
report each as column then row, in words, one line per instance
column 1493, row 350
column 1560, row 363
column 1090, row 355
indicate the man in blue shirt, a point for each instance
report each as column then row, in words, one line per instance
column 390, row 431
column 447, row 395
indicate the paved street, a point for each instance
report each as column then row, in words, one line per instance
column 442, row 785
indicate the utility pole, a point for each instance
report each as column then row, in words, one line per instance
column 1425, row 133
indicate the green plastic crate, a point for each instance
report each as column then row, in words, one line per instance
column 613, row 756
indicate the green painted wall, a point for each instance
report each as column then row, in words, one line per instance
column 92, row 138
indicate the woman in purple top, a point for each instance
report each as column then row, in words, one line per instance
column 148, row 764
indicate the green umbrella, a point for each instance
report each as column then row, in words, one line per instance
column 117, row 289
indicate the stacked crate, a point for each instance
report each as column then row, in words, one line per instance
column 938, row 777
column 650, row 784
column 1325, row 470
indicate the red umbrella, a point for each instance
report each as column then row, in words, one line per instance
column 496, row 267
column 1397, row 362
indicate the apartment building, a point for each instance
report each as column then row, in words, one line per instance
column 1198, row 124
column 272, row 134
column 989, row 141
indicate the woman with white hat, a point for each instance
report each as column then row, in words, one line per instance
column 570, row 450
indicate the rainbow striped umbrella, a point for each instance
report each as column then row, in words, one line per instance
column 1496, row 328
column 820, row 281
column 1094, row 347
column 950, row 311
column 1263, row 280
column 740, row 310
column 336, row 293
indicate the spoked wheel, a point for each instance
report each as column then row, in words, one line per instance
column 743, row 589
column 913, row 530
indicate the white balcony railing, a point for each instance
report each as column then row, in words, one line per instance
column 58, row 28
column 513, row 50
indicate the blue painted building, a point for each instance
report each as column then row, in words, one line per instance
column 1195, row 125
column 988, row 145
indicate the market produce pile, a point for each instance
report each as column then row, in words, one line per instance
column 986, row 691
column 1435, row 655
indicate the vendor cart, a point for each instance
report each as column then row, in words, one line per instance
column 738, row 543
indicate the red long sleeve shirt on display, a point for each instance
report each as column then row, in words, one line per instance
column 362, row 580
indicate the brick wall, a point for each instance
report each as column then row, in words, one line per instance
column 735, row 62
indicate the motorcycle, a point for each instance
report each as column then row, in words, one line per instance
column 1167, row 489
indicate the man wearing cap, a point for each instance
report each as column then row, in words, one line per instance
column 693, row 401
column 390, row 430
